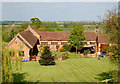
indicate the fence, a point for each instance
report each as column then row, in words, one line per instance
column 74, row 55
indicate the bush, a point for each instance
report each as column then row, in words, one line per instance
column 46, row 57
column 66, row 55
column 66, row 47
column 57, row 47
column 42, row 49
column 61, row 49
column 86, row 52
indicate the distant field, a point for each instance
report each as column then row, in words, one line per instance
column 65, row 29
column 86, row 27
column 6, row 27
column 70, row 70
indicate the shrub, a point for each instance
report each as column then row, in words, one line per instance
column 57, row 46
column 61, row 49
column 46, row 57
column 66, row 47
column 42, row 49
column 66, row 55
column 86, row 52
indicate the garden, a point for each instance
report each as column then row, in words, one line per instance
column 72, row 69
column 69, row 70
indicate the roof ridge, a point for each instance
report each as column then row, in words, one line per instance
column 23, row 42
column 25, row 39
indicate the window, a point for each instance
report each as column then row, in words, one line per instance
column 21, row 53
column 92, row 43
column 63, row 43
column 54, row 43
column 44, row 43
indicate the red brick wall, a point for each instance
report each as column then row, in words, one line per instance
column 18, row 46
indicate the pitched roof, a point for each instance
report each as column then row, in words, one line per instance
column 23, row 41
column 34, row 28
column 64, row 35
column 29, row 37
column 103, row 38
column 54, row 36
column 90, row 35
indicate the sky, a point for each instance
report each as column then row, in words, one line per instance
column 59, row 0
column 49, row 10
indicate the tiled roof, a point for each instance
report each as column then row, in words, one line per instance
column 54, row 36
column 103, row 38
column 90, row 35
column 64, row 36
column 23, row 42
column 34, row 28
column 29, row 37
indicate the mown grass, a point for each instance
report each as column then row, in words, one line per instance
column 59, row 54
column 70, row 70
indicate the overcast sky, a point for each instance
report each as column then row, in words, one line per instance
column 59, row 0
column 56, row 11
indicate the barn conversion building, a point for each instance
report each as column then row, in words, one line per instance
column 30, row 41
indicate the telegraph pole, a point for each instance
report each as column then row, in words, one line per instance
column 96, row 31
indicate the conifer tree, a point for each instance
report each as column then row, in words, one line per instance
column 46, row 57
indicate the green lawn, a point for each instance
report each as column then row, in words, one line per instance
column 59, row 54
column 70, row 70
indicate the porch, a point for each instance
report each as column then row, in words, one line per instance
column 33, row 54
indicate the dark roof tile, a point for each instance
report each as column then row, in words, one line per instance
column 64, row 36
column 29, row 37
column 24, row 42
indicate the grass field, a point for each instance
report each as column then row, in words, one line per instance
column 70, row 70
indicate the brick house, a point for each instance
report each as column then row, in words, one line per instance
column 30, row 41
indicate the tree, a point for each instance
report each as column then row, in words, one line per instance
column 4, row 33
column 47, row 26
column 10, row 35
column 111, row 26
column 7, row 36
column 66, row 47
column 35, row 22
column 46, row 57
column 58, row 28
column 57, row 47
column 50, row 29
column 77, row 37
column 23, row 26
column 6, row 66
